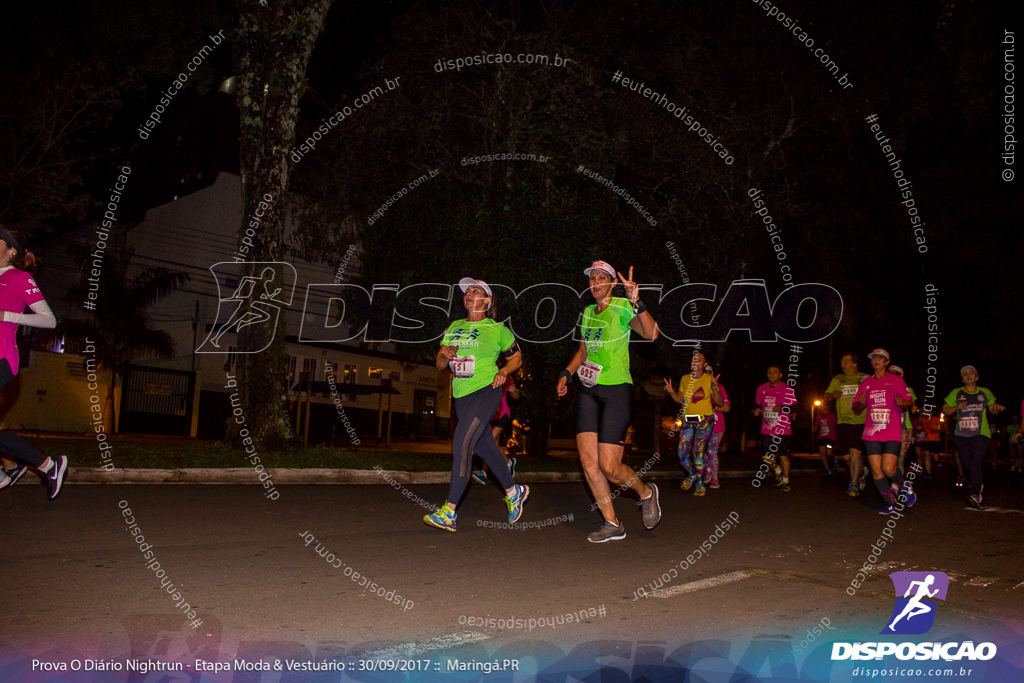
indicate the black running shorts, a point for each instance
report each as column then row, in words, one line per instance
column 880, row 447
column 604, row 409
column 850, row 437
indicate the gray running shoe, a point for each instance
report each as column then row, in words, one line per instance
column 607, row 532
column 15, row 473
column 651, row 508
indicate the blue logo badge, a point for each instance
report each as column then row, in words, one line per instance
column 914, row 613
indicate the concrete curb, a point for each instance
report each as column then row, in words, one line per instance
column 247, row 475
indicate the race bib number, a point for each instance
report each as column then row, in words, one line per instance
column 588, row 373
column 464, row 367
column 825, row 431
column 880, row 417
column 970, row 424
column 771, row 415
column 849, row 390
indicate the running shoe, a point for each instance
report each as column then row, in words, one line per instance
column 863, row 481
column 886, row 509
column 852, row 490
column 959, row 482
column 515, row 502
column 975, row 499
column 479, row 477
column 784, row 485
column 908, row 494
column 512, row 467
column 607, row 532
column 707, row 476
column 15, row 473
column 688, row 483
column 442, row 518
column 778, row 479
column 55, row 477
column 5, row 481
column 827, row 471
column 651, row 508
column 714, row 483
column 699, row 491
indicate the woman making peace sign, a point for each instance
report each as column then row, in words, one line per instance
column 603, row 410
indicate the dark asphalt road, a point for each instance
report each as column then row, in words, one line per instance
column 76, row 581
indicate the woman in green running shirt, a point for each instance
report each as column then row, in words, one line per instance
column 972, row 404
column 603, row 409
column 470, row 349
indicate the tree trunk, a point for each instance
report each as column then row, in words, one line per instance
column 275, row 43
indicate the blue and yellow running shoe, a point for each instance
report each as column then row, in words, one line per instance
column 515, row 502
column 442, row 518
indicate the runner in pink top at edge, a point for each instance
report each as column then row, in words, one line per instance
column 18, row 292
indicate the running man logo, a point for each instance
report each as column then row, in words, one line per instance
column 255, row 300
column 913, row 614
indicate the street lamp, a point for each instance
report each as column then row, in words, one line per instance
column 945, row 435
column 814, row 427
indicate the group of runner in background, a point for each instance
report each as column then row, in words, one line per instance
column 878, row 415
column 862, row 415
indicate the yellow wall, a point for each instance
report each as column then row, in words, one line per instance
column 51, row 394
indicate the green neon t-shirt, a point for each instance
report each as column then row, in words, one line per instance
column 973, row 419
column 606, row 335
column 479, row 344
column 848, row 385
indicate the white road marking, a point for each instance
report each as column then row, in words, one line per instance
column 1001, row 511
column 700, row 585
column 409, row 650
column 982, row 581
